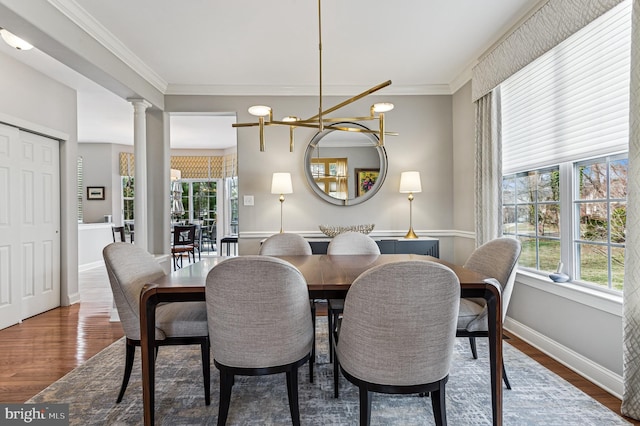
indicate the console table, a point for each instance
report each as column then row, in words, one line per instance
column 424, row 246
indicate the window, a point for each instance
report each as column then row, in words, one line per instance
column 600, row 218
column 127, row 198
column 531, row 212
column 232, row 191
column 565, row 133
column 79, row 189
column 199, row 200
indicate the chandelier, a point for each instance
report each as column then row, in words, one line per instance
column 318, row 121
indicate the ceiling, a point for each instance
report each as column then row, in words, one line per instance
column 246, row 47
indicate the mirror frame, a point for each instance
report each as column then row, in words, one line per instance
column 308, row 155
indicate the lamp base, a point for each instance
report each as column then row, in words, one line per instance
column 411, row 234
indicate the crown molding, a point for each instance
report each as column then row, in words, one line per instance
column 328, row 90
column 463, row 77
column 72, row 10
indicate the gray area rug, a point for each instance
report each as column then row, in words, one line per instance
column 538, row 397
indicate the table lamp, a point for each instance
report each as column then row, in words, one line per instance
column 281, row 184
column 410, row 183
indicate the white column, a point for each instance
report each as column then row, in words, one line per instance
column 140, row 183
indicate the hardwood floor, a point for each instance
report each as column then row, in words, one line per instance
column 44, row 348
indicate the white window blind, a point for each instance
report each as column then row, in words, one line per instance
column 573, row 102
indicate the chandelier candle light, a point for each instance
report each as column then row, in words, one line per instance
column 265, row 113
column 281, row 184
column 410, row 183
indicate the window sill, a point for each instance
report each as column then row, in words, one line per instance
column 595, row 299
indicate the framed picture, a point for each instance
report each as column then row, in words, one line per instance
column 95, row 192
column 365, row 179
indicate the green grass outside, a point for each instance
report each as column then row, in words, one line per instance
column 593, row 261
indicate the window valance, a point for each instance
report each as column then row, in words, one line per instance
column 191, row 167
column 551, row 24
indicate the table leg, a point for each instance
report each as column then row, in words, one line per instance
column 495, row 352
column 147, row 346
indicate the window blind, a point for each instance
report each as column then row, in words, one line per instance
column 572, row 103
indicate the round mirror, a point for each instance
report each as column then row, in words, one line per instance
column 345, row 168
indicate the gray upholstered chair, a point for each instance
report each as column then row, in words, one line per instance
column 409, row 348
column 259, row 323
column 344, row 244
column 497, row 259
column 286, row 244
column 184, row 323
column 352, row 243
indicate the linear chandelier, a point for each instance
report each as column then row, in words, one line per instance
column 318, row 121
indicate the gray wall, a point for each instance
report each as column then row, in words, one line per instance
column 99, row 172
column 424, row 144
column 33, row 101
column 463, row 175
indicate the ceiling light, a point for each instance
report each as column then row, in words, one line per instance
column 14, row 41
column 318, row 121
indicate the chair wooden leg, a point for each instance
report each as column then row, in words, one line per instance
column 336, row 376
column 130, row 352
column 292, row 392
column 365, row 407
column 226, row 383
column 205, row 349
column 474, row 352
column 330, row 329
column 313, row 348
column 504, row 376
column 438, row 403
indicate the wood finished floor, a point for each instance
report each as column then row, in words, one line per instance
column 44, row 348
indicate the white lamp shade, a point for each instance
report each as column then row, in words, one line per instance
column 175, row 174
column 14, row 41
column 410, row 182
column 281, row 183
column 259, row 110
column 382, row 107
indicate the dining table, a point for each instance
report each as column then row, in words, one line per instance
column 328, row 277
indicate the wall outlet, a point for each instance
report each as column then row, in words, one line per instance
column 248, row 200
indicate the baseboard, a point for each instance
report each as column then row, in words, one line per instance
column 89, row 266
column 595, row 373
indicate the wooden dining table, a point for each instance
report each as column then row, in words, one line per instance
column 327, row 276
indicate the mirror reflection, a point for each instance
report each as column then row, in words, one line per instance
column 345, row 168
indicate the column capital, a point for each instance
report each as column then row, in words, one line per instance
column 139, row 103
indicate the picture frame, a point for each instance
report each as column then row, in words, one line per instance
column 95, row 192
column 365, row 180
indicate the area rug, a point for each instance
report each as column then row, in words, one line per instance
column 538, row 397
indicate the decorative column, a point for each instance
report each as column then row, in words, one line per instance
column 140, row 176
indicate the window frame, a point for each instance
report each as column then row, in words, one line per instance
column 569, row 235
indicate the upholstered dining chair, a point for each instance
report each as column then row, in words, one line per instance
column 409, row 349
column 346, row 243
column 288, row 244
column 497, row 259
column 183, row 323
column 259, row 323
column 184, row 237
column 285, row 244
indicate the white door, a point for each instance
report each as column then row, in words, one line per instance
column 29, row 225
